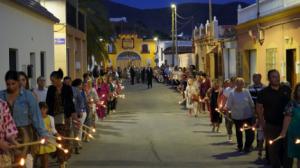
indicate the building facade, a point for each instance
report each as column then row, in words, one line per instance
column 69, row 36
column 270, row 41
column 130, row 49
column 26, row 39
column 164, row 57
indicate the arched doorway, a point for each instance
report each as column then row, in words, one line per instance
column 128, row 58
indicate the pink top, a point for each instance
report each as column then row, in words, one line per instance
column 8, row 128
column 103, row 91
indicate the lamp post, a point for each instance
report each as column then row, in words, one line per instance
column 174, row 32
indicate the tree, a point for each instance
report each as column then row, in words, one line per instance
column 99, row 29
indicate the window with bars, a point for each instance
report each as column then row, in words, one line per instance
column 271, row 58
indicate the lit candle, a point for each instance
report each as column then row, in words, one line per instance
column 42, row 141
column 297, row 141
column 274, row 140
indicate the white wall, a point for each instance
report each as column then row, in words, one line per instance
column 27, row 32
column 229, row 55
column 267, row 7
column 185, row 60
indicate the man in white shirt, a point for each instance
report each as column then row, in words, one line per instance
column 41, row 90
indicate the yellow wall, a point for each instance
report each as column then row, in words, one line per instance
column 282, row 36
column 60, row 50
column 138, row 42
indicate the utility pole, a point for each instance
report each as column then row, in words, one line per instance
column 174, row 33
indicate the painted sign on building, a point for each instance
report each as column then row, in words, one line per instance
column 59, row 41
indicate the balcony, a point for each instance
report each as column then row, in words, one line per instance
column 267, row 7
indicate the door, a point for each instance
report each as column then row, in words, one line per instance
column 33, row 70
column 249, row 65
column 290, row 67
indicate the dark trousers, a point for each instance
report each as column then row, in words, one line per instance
column 132, row 80
column 239, row 134
column 278, row 150
column 149, row 83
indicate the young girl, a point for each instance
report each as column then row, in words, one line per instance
column 291, row 126
column 45, row 150
column 103, row 91
column 191, row 93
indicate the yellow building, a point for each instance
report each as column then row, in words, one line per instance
column 129, row 49
column 271, row 41
column 70, row 43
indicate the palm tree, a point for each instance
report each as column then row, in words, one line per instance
column 99, row 29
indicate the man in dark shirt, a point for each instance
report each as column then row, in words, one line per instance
column 270, row 106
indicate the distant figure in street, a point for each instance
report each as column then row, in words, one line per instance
column 149, row 73
column 143, row 73
column 132, row 74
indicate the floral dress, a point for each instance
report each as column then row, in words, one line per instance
column 293, row 110
column 7, row 130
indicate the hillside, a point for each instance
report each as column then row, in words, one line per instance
column 159, row 20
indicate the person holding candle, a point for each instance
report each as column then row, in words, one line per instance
column 26, row 113
column 80, row 108
column 92, row 100
column 45, row 150
column 103, row 91
column 270, row 105
column 112, row 96
column 192, row 97
column 61, row 106
column 8, row 134
column 204, row 86
column 216, row 117
column 241, row 105
column 291, row 125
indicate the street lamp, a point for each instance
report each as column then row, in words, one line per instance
column 173, row 6
column 155, row 38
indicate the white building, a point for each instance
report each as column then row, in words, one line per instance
column 27, row 42
column 167, row 58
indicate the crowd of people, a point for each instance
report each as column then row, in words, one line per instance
column 267, row 115
column 52, row 121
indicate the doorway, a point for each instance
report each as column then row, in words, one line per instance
column 290, row 67
column 250, row 63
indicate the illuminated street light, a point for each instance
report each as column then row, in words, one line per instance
column 173, row 6
column 155, row 38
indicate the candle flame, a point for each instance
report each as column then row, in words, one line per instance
column 253, row 128
column 91, row 136
column 59, row 138
column 245, row 125
column 59, row 145
column 66, row 151
column 22, row 162
column 298, row 141
column 241, row 129
column 94, row 130
column 43, row 141
column 103, row 95
column 77, row 139
column 271, row 142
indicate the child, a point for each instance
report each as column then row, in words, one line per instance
column 45, row 150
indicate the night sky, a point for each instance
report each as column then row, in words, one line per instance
column 144, row 4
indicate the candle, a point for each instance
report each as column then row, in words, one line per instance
column 297, row 141
column 274, row 140
column 20, row 163
column 42, row 141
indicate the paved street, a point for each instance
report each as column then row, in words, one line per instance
column 150, row 129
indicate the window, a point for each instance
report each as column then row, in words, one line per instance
column 13, row 59
column 145, row 48
column 71, row 15
column 81, row 21
column 271, row 59
column 42, row 63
